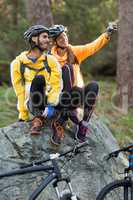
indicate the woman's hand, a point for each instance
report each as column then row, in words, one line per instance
column 112, row 27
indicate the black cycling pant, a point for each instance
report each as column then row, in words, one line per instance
column 78, row 97
column 37, row 101
column 69, row 100
column 91, row 92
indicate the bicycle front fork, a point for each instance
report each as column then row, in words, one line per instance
column 67, row 180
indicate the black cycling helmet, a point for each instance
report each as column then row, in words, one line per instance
column 56, row 30
column 34, row 31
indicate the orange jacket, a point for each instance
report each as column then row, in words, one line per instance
column 81, row 52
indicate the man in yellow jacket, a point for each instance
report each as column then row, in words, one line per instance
column 70, row 57
column 36, row 79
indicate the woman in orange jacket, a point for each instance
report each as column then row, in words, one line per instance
column 70, row 58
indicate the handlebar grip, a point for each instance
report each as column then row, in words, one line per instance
column 116, row 153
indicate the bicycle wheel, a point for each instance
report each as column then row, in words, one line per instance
column 117, row 190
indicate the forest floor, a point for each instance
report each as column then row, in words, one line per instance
column 120, row 124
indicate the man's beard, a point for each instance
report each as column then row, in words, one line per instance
column 40, row 45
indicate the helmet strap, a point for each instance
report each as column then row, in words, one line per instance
column 32, row 45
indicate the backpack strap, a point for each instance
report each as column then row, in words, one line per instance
column 22, row 70
column 23, row 66
column 46, row 66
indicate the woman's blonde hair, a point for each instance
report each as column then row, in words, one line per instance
column 71, row 58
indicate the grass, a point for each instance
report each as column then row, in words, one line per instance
column 120, row 124
column 8, row 112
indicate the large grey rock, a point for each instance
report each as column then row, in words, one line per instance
column 89, row 171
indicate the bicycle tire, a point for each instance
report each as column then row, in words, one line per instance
column 110, row 187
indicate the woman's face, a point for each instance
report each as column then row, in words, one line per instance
column 62, row 40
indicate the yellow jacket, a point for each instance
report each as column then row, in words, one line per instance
column 81, row 52
column 53, row 80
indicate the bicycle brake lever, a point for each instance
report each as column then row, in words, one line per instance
column 79, row 151
column 112, row 155
column 115, row 154
column 83, row 151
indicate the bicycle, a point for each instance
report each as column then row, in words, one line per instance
column 120, row 189
column 54, row 174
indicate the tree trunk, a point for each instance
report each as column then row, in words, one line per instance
column 15, row 21
column 125, row 54
column 39, row 12
column 15, row 12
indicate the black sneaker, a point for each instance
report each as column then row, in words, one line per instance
column 82, row 129
column 58, row 133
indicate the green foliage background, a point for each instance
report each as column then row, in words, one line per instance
column 85, row 19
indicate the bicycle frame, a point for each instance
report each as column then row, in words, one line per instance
column 53, row 169
column 127, row 175
column 127, row 182
column 54, row 174
column 130, row 178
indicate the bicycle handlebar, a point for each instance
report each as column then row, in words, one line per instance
column 116, row 153
column 74, row 149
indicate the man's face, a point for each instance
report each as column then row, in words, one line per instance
column 62, row 40
column 42, row 40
